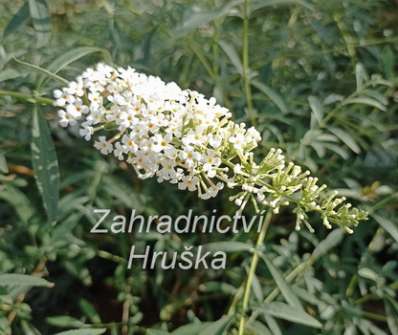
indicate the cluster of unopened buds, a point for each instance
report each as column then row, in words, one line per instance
column 182, row 137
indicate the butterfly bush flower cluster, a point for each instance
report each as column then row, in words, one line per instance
column 184, row 138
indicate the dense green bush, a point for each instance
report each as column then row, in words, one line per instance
column 317, row 78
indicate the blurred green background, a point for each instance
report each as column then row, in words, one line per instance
column 317, row 78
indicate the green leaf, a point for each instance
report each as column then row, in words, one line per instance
column 205, row 17
column 341, row 151
column 322, row 137
column 85, row 331
column 64, row 321
column 3, row 163
column 331, row 241
column 40, row 17
column 120, row 190
column 368, row 274
column 45, row 164
column 9, row 74
column 14, row 279
column 365, row 101
column 230, row 246
column 28, row 329
column 387, row 225
column 75, row 54
column 89, row 310
column 19, row 201
column 368, row 328
column 258, row 4
column 218, row 327
column 392, row 318
column 285, row 289
column 218, row 287
column 346, row 138
column 195, row 47
column 191, row 329
column 361, row 76
column 39, row 69
column 377, row 96
column 156, row 332
column 316, row 107
column 272, row 325
column 272, row 95
column 258, row 328
column 319, row 148
column 232, row 55
column 20, row 17
column 257, row 289
column 71, row 56
column 389, row 62
column 289, row 313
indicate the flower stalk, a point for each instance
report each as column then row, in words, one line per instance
column 252, row 271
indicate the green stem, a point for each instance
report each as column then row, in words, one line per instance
column 29, row 98
column 245, row 61
column 252, row 271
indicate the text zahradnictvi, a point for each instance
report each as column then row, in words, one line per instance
column 108, row 222
column 188, row 258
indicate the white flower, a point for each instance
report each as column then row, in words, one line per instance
column 62, row 98
column 75, row 88
column 238, row 141
column 189, row 156
column 128, row 119
column 188, row 182
column 103, row 145
column 119, row 150
column 86, row 131
column 65, row 119
column 96, row 116
column 130, row 143
column 237, row 169
column 215, row 141
column 167, row 170
column 210, row 162
column 253, row 134
column 77, row 109
column 158, row 143
column 95, row 99
column 117, row 99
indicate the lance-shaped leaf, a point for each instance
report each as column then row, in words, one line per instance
column 45, row 164
column 218, row 327
column 289, row 313
column 20, row 17
column 15, row 279
column 71, row 56
column 284, row 287
column 40, row 18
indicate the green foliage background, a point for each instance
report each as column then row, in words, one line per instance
column 321, row 84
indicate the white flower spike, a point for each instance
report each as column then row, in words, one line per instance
column 182, row 137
